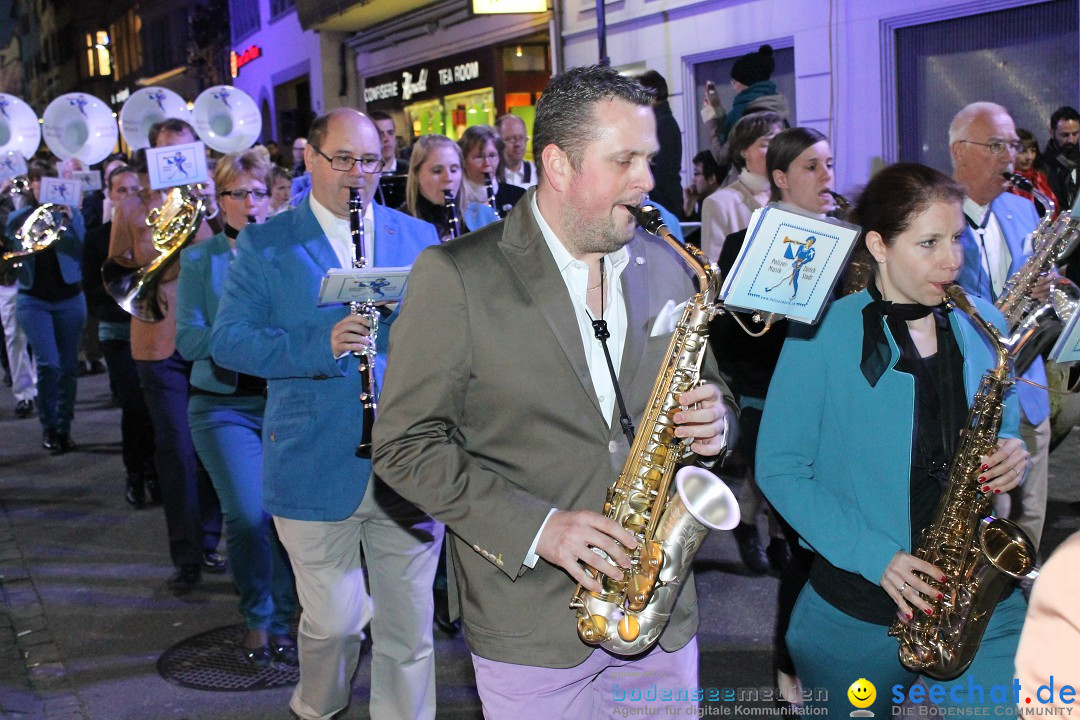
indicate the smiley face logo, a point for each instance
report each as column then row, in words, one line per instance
column 862, row 693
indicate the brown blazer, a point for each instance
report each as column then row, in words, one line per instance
column 488, row 419
column 131, row 241
column 1050, row 641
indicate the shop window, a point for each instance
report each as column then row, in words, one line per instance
column 719, row 71
column 1023, row 58
column 280, row 7
column 243, row 18
column 98, row 54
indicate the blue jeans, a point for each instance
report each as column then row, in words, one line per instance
column 192, row 514
column 53, row 330
column 228, row 436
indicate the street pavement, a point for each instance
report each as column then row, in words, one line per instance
column 85, row 614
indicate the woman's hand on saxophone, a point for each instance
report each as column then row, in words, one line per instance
column 568, row 540
column 707, row 419
column 904, row 580
column 1006, row 467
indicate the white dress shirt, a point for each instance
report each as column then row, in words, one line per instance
column 993, row 250
column 518, row 178
column 339, row 233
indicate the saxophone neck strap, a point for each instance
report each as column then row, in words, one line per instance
column 600, row 330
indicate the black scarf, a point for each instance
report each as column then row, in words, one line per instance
column 875, row 345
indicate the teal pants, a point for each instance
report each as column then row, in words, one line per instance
column 832, row 650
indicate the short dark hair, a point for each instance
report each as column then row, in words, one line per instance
column 564, row 113
column 785, row 146
column 655, row 82
column 117, row 172
column 37, row 169
column 709, row 166
column 747, row 131
column 170, row 125
column 380, row 115
column 1063, row 113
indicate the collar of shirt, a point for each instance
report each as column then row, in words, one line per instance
column 575, row 275
column 993, row 249
column 339, row 232
column 390, row 168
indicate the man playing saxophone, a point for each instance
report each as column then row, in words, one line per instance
column 518, row 468
column 861, row 424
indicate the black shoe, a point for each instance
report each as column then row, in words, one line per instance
column 284, row 650
column 213, row 562
column 753, row 557
column 779, row 554
column 153, row 488
column 184, row 579
column 84, row 369
column 258, row 658
column 66, row 444
column 24, row 408
column 7, row 379
column 96, row 367
column 135, row 491
column 50, row 440
column 442, row 614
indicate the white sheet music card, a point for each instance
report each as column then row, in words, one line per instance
column 1067, row 348
column 175, row 165
column 90, row 179
column 60, row 192
column 788, row 263
column 379, row 284
column 12, row 164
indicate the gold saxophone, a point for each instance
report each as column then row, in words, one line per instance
column 979, row 554
column 629, row 615
column 1051, row 241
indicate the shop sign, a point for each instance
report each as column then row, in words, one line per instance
column 432, row 79
column 239, row 60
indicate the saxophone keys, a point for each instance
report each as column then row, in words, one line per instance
column 592, row 629
column 629, row 628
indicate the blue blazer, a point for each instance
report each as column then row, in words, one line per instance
column 834, row 455
column 69, row 247
column 1018, row 219
column 203, row 269
column 268, row 324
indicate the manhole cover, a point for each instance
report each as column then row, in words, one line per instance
column 215, row 660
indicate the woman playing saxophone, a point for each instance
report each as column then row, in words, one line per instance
column 862, row 419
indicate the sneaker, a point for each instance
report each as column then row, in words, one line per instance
column 24, row 408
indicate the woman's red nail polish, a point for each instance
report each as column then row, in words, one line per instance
column 940, row 596
column 997, row 492
column 910, row 616
column 985, row 468
column 986, row 488
column 982, row 478
column 929, row 611
column 944, row 579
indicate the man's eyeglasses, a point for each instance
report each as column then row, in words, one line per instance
column 241, row 194
column 516, row 139
column 999, row 146
column 345, row 163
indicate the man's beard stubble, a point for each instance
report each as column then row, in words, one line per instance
column 596, row 235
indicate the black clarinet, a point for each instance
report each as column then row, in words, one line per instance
column 491, row 194
column 452, row 219
column 368, row 310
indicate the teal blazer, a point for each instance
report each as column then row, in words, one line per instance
column 269, row 325
column 68, row 248
column 834, row 454
column 203, row 269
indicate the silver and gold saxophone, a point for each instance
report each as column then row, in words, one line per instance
column 979, row 554
column 629, row 615
column 1051, row 241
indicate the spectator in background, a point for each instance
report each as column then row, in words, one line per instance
column 279, row 190
column 755, row 92
column 516, row 169
column 274, row 151
column 728, row 209
column 1029, row 163
column 1061, row 154
column 51, row 310
column 666, row 163
column 391, row 192
column 705, row 182
column 298, row 146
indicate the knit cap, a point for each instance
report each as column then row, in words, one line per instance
column 754, row 67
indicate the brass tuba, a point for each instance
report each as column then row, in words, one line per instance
column 979, row 554
column 136, row 288
column 629, row 615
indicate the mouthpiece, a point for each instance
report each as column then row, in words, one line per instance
column 649, row 218
column 251, row 220
column 1018, row 181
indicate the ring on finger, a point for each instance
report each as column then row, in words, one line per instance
column 902, row 588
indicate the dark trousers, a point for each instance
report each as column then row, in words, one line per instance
column 192, row 513
column 53, row 329
column 797, row 572
column 136, row 428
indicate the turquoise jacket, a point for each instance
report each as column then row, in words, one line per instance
column 203, row 269
column 834, row 454
column 269, row 325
